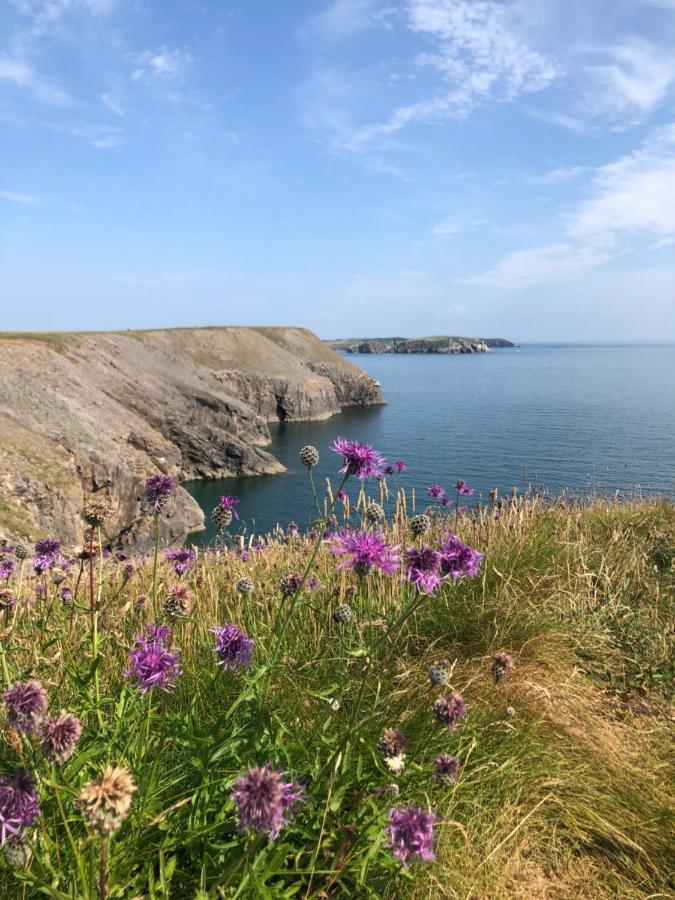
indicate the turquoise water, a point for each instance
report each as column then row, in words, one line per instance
column 579, row 418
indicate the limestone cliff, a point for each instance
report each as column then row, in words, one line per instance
column 438, row 344
column 85, row 413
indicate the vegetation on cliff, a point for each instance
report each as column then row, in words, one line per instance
column 321, row 714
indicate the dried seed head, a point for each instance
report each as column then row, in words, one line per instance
column 343, row 614
column 20, row 551
column 309, row 456
column 105, row 803
column 502, row 663
column 439, row 672
column 419, row 524
column 245, row 585
column 447, row 769
column 178, row 602
column 94, row 512
column 392, row 743
column 17, row 853
column 221, row 517
column 374, row 513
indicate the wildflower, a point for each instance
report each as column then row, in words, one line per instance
column 25, row 702
column 343, row 614
column 309, row 456
column 419, row 524
column 245, row 586
column 392, row 745
column 178, row 602
column 94, row 512
column 458, row 559
column 221, row 517
column 47, row 554
column 17, row 853
column 227, row 501
column 435, row 491
column 389, row 470
column 292, row 530
column 182, row 559
column 59, row 736
column 158, row 490
column 423, row 566
column 450, row 710
column 105, row 803
column 363, row 550
column 7, row 600
column 66, row 594
column 411, row 833
column 19, row 805
column 400, row 466
column 462, row 488
column 447, row 769
column 233, row 648
column 374, row 513
column 7, row 567
column 439, row 672
column 358, row 459
column 342, row 495
column 151, row 663
column 128, row 571
column 502, row 663
column 290, row 584
column 265, row 801
column 510, row 711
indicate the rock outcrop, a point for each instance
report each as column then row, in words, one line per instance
column 439, row 344
column 96, row 413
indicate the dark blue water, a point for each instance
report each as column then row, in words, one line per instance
column 571, row 418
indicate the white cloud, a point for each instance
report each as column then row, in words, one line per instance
column 24, row 77
column 557, row 175
column 456, row 225
column 22, row 199
column 101, row 136
column 344, row 18
column 114, row 103
column 164, row 64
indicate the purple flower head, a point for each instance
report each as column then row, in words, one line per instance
column 66, row 594
column 389, row 470
column 47, row 554
column 233, row 648
column 463, row 488
column 446, row 501
column 357, row 458
column 19, row 806
column 458, row 559
column 265, row 801
column 40, row 590
column 436, row 491
column 342, row 495
column 7, row 567
column 158, row 489
column 423, row 566
column 411, row 833
column 59, row 736
column 400, row 466
column 150, row 661
column 182, row 559
column 292, row 530
column 450, row 710
column 231, row 503
column 447, row 769
column 25, row 702
column 290, row 584
column 364, row 550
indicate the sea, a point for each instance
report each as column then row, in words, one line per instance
column 549, row 418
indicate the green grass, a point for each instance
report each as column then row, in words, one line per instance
column 568, row 797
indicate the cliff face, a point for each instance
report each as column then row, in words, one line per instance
column 84, row 413
column 439, row 344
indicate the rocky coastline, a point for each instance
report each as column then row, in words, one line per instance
column 96, row 413
column 442, row 344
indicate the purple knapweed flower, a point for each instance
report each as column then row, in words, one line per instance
column 25, row 702
column 423, row 568
column 7, row 567
column 47, row 554
column 290, row 584
column 66, row 594
column 364, row 550
column 182, row 559
column 59, row 736
column 19, row 805
column 458, row 559
column 447, row 769
column 450, row 710
column 229, row 502
column 233, row 648
column 158, row 489
column 342, row 495
column 150, row 661
column 358, row 459
column 265, row 801
column 436, row 491
column 411, row 833
column 463, row 488
column 292, row 530
column 400, row 466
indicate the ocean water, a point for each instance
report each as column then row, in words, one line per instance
column 558, row 417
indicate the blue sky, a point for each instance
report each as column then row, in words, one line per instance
column 358, row 167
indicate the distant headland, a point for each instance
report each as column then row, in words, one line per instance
column 449, row 344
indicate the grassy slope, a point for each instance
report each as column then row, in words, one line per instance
column 567, row 798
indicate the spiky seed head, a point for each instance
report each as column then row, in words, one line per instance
column 58, row 577
column 245, row 585
column 105, row 803
column 502, row 663
column 17, row 853
column 343, row 614
column 447, row 769
column 21, row 551
column 392, row 743
column 221, row 517
column 6, row 599
column 419, row 524
column 94, row 512
column 178, row 602
column 309, row 456
column 374, row 513
column 439, row 672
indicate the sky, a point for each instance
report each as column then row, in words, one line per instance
column 357, row 167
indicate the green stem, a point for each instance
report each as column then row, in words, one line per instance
column 154, row 568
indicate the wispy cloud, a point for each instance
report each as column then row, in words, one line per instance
column 113, row 101
column 165, row 64
column 102, row 137
column 21, row 75
column 22, row 199
column 344, row 18
column 558, row 175
column 457, row 224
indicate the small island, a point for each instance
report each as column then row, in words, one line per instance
column 449, row 344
